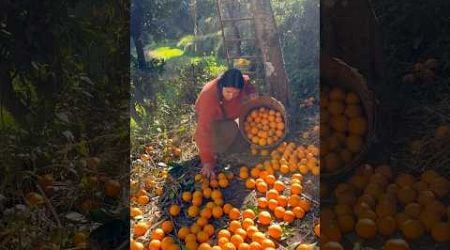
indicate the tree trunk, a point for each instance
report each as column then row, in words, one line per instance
column 350, row 32
column 233, row 12
column 269, row 44
column 136, row 32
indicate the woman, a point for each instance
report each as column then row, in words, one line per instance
column 220, row 100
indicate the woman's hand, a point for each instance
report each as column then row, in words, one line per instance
column 208, row 171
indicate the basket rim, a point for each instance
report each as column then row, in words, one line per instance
column 369, row 106
column 247, row 109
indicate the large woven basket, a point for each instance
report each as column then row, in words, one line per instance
column 267, row 102
column 334, row 71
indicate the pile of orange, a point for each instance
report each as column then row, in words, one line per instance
column 264, row 126
column 343, row 126
column 374, row 202
column 278, row 182
column 280, row 200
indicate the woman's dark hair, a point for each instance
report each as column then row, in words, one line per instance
column 231, row 78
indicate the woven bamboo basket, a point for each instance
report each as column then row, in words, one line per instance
column 334, row 71
column 267, row 102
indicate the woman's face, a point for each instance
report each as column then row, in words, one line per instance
column 229, row 93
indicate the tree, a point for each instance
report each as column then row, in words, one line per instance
column 269, row 44
column 136, row 31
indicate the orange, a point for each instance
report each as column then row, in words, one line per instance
column 272, row 204
column 332, row 245
column 192, row 245
column 264, row 218
column 412, row 229
column 272, row 194
column 186, row 196
column 243, row 175
column 204, row 246
column 229, row 246
column 158, row 234
column 255, row 246
column 298, row 212
column 224, row 233
column 386, row 225
column 234, row 214
column 282, row 200
column 270, row 179
column 112, row 188
column 202, row 236
column 174, row 210
column 216, row 194
column 236, row 240
column 413, row 209
column 223, row 183
column 195, row 228
column 222, row 241
column 193, row 211
column 209, row 229
column 346, row 223
column 289, row 216
column 250, row 183
column 279, row 186
column 227, row 208
column 247, row 222
column 214, row 183
column 366, row 228
column 428, row 176
column 135, row 212
column 241, row 232
column 332, row 231
column 279, row 212
column 143, row 199
column 294, row 200
column 217, row 212
column 305, row 246
column 140, row 228
column 406, row 195
column 305, row 205
column 183, row 232
column 207, row 192
column 258, row 237
column 262, row 202
column 441, row 232
column 396, row 244
column 191, row 237
column 404, row 180
column 261, row 187
column 296, row 188
column 440, row 186
column 275, row 231
column 248, row 213
column 206, row 212
column 243, row 246
column 317, row 229
column 167, row 226
column 267, row 244
column 234, row 225
column 202, row 221
column 136, row 245
column 154, row 245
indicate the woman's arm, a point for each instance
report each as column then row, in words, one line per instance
column 204, row 132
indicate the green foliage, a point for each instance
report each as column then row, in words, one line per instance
column 171, row 108
column 166, row 53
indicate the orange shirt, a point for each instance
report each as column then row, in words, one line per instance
column 208, row 110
